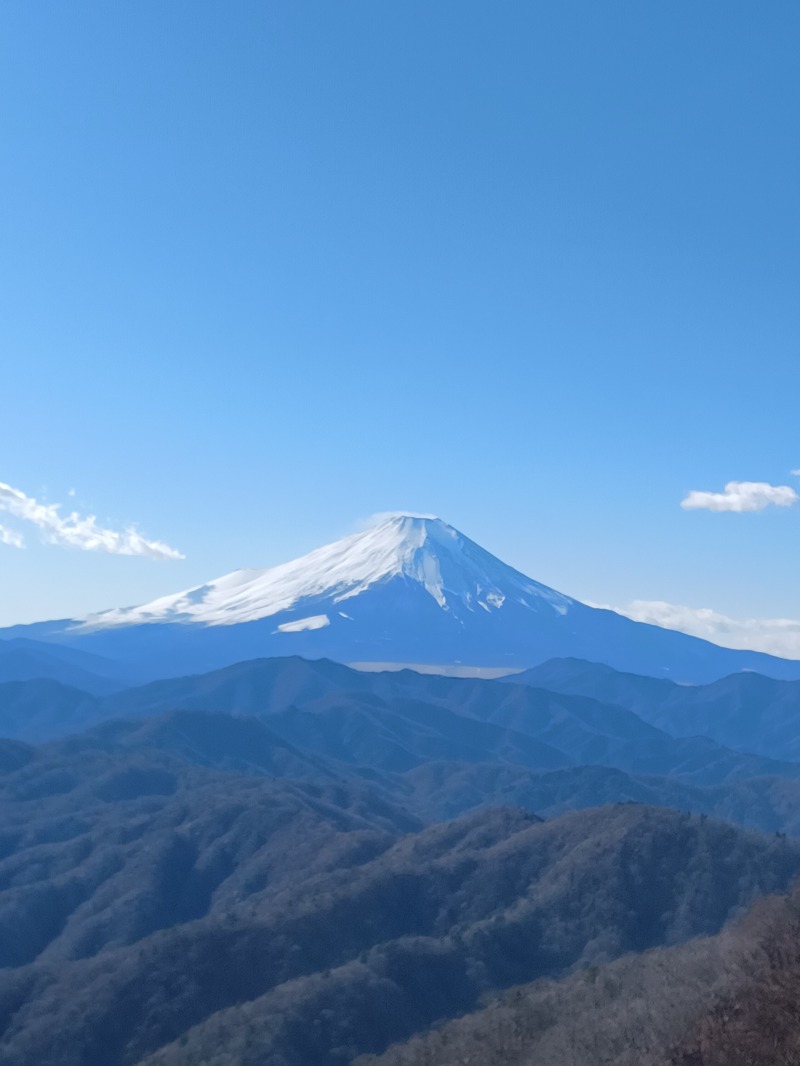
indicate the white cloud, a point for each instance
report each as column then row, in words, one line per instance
column 385, row 516
column 74, row 531
column 741, row 496
column 11, row 538
column 776, row 636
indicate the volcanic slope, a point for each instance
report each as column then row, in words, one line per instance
column 409, row 590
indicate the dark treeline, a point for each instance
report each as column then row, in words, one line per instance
column 153, row 910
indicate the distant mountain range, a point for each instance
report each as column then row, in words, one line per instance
column 409, row 590
column 23, row 659
column 745, row 711
column 293, row 861
column 396, row 720
column 440, row 746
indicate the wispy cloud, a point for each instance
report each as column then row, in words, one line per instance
column 11, row 537
column 776, row 636
column 385, row 516
column 75, row 531
column 741, row 496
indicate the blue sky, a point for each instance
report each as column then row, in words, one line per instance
column 269, row 268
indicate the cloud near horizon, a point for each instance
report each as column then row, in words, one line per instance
column 741, row 496
column 73, row 530
column 775, row 636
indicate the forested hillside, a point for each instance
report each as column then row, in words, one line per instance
column 299, row 863
column 149, row 907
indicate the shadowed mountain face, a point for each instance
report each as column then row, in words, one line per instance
column 431, row 789
column 395, row 721
column 26, row 660
column 155, row 911
column 754, row 1020
column 744, row 711
column 243, row 744
column 727, row 1000
column 439, row 746
column 99, row 849
column 38, row 710
column 410, row 590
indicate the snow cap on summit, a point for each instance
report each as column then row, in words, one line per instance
column 457, row 573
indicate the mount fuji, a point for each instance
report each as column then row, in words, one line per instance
column 411, row 590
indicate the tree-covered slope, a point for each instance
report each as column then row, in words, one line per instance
column 149, row 907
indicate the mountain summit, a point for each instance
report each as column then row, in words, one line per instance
column 459, row 575
column 410, row 590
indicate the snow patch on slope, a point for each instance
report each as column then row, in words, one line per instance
column 316, row 621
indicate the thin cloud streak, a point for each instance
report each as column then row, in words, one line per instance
column 741, row 496
column 75, row 531
column 775, row 636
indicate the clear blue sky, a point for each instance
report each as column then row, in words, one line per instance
column 270, row 267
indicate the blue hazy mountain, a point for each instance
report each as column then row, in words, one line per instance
column 395, row 721
column 22, row 659
column 409, row 590
column 745, row 711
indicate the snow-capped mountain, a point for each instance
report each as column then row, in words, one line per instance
column 410, row 590
column 456, row 573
